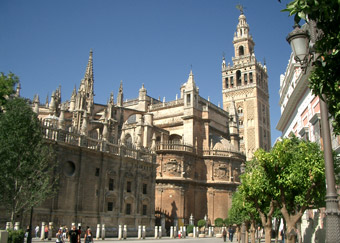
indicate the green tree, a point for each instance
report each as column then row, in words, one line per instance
column 7, row 86
column 296, row 168
column 257, row 190
column 325, row 76
column 243, row 211
column 26, row 161
column 293, row 176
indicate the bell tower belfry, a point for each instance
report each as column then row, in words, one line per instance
column 245, row 86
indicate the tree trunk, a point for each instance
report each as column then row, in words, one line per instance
column 268, row 233
column 247, row 235
column 291, row 233
column 252, row 231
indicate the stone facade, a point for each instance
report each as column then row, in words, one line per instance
column 134, row 162
column 245, row 92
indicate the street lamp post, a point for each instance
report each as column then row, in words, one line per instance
column 300, row 40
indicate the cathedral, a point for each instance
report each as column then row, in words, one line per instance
column 150, row 162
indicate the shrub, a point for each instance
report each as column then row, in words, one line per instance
column 226, row 222
column 219, row 222
column 201, row 223
column 16, row 236
column 190, row 229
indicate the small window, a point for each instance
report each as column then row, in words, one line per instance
column 145, row 186
column 128, row 209
column 245, row 78
column 97, row 172
column 111, row 184
column 128, row 186
column 231, row 81
column 250, row 77
column 145, row 209
column 226, row 82
column 188, row 99
column 110, row 206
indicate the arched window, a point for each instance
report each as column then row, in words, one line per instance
column 175, row 139
column 240, row 51
column 238, row 78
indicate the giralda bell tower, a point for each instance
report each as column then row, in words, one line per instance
column 245, row 92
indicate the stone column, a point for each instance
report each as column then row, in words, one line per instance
column 194, row 232
column 184, row 233
column 17, row 226
column 42, row 235
column 139, row 232
column 181, row 231
column 175, row 232
column 143, row 232
column 50, row 229
column 103, row 232
column 209, row 234
column 120, row 232
column 160, row 232
column 98, row 232
column 125, row 232
column 172, row 232
column 156, row 232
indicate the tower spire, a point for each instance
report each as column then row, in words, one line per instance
column 89, row 68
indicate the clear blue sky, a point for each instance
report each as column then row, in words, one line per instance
column 155, row 42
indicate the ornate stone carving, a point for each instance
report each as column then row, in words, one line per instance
column 222, row 172
column 172, row 167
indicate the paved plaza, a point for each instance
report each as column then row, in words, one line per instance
column 149, row 240
column 152, row 240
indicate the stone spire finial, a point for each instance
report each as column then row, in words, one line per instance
column 52, row 106
column 61, row 121
column 84, row 125
column 153, row 144
column 36, row 103
column 17, row 93
column 120, row 94
column 46, row 102
column 89, row 68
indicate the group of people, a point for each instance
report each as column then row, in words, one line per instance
column 74, row 235
column 230, row 234
column 63, row 234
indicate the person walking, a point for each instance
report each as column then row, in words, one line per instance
column 37, row 228
column 46, row 231
column 88, row 238
column 73, row 235
column 224, row 234
column 59, row 236
column 231, row 234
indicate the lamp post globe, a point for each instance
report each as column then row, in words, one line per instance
column 299, row 42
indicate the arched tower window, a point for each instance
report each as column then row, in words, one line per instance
column 238, row 78
column 241, row 51
column 226, row 84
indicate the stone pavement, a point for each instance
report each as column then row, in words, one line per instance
column 148, row 240
column 152, row 240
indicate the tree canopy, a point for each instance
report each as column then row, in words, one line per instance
column 325, row 76
column 26, row 162
column 290, row 177
column 7, row 86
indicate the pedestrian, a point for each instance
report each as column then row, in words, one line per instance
column 37, row 228
column 73, row 235
column 282, row 233
column 79, row 232
column 224, row 234
column 64, row 230
column 59, row 236
column 46, row 232
column 27, row 231
column 231, row 234
column 88, row 238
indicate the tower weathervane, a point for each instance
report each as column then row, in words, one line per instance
column 240, row 7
